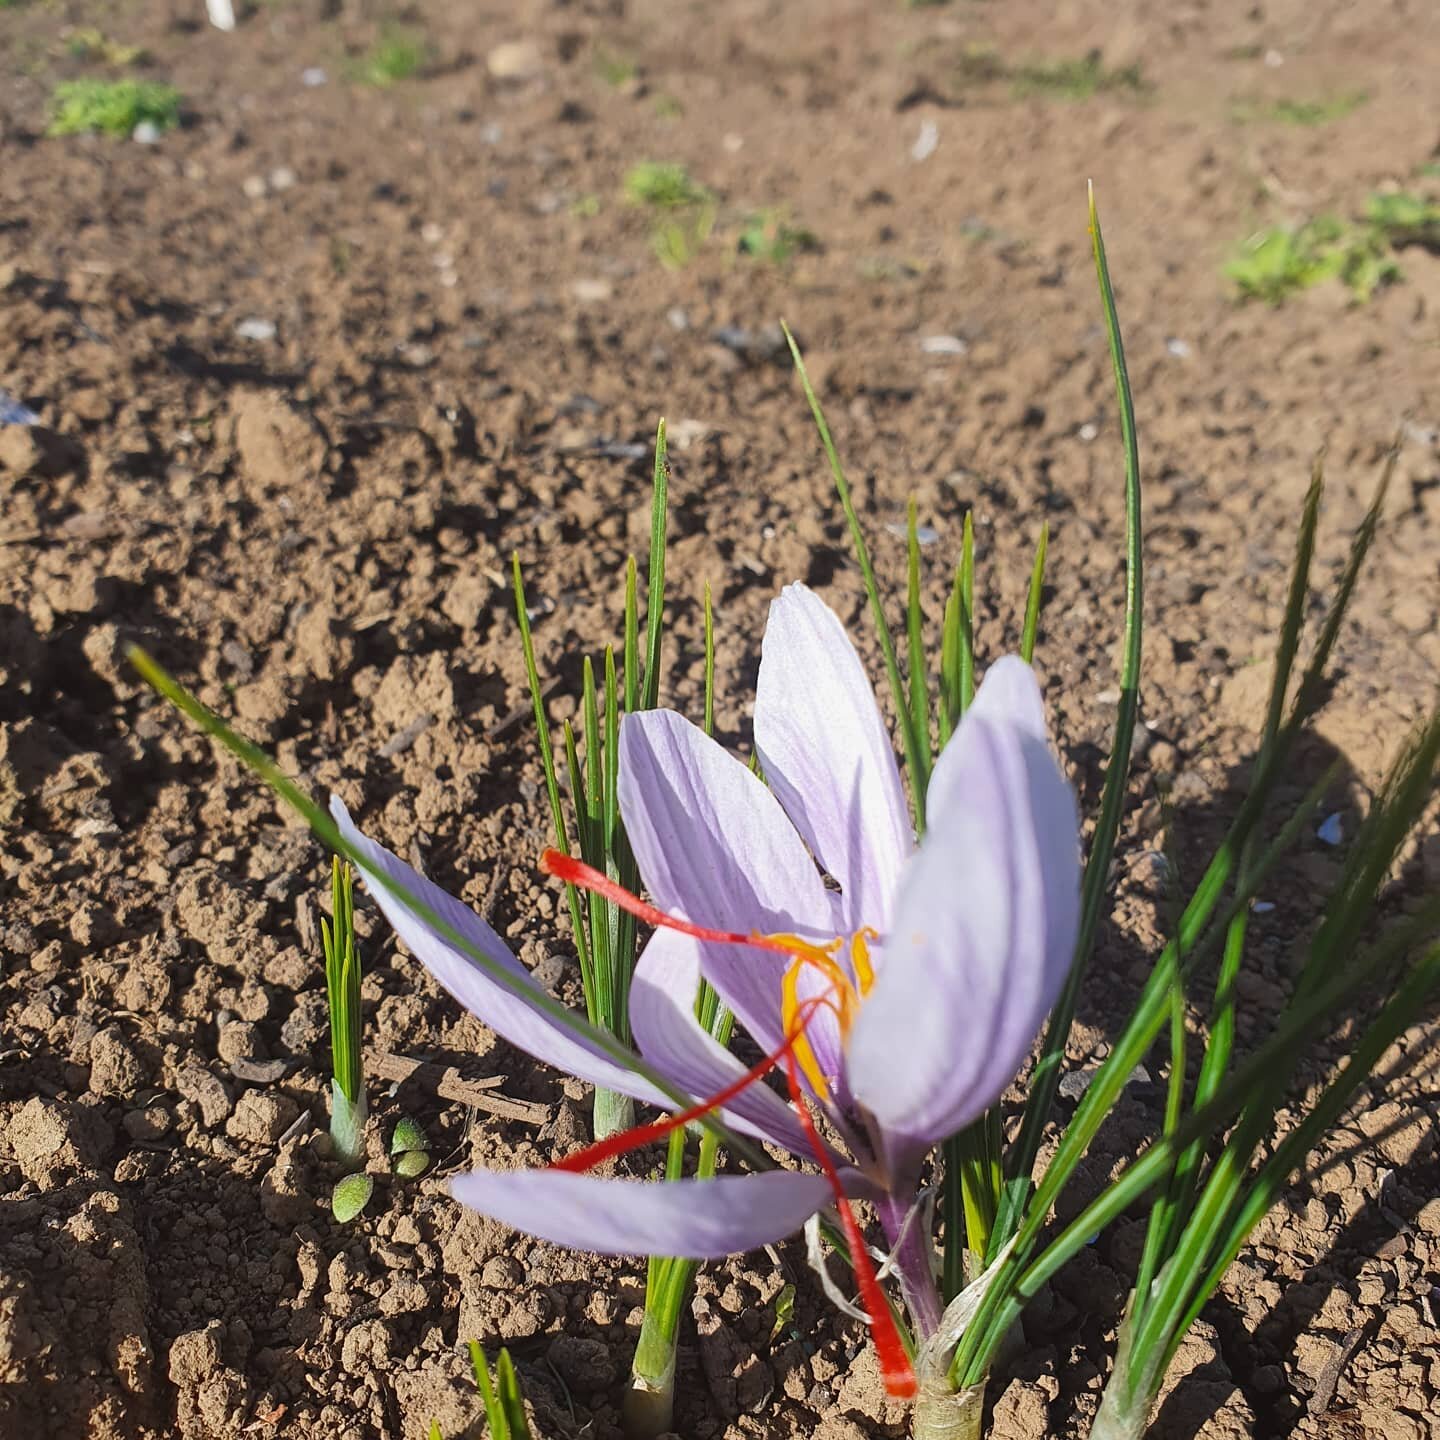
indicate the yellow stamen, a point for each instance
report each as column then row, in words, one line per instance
column 843, row 999
column 860, row 943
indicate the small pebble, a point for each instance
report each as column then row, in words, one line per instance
column 1263, row 907
column 1331, row 830
column 256, row 329
column 147, row 132
column 282, row 177
column 12, row 412
column 926, row 142
column 943, row 345
column 254, row 187
column 1180, row 349
column 312, row 76
column 1088, row 431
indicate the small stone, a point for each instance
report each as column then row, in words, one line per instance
column 502, row 1272
column 1331, row 830
column 257, row 329
column 198, row 1085
column 367, row 1348
column 92, row 925
column 147, row 132
column 240, row 1040
column 313, row 76
column 585, row 1365
column 282, row 177
column 592, row 292
column 261, row 1118
column 515, row 60
column 195, row 1355
column 147, row 1125
column 115, row 1068
column 926, row 142
column 943, row 345
column 253, row 187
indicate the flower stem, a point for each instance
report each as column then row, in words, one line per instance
column 613, row 1113
column 911, row 1260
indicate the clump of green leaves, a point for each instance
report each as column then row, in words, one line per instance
column 1405, row 219
column 685, row 209
column 112, row 107
column 395, row 56
column 1281, row 260
column 769, row 237
column 663, row 186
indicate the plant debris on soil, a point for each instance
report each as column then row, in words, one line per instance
column 310, row 367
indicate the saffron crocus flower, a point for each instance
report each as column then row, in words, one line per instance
column 903, row 1001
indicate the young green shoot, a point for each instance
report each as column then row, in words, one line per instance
column 606, row 937
column 342, row 985
column 503, row 1402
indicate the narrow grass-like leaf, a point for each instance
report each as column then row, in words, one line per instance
column 1290, row 1155
column 547, row 765
column 632, row 639
column 867, row 570
column 1017, row 1282
column 342, row 983
column 1218, row 1048
column 655, row 600
column 915, row 635
column 1033, row 599
column 966, row 589
column 1198, row 933
column 708, row 723
column 1046, row 1079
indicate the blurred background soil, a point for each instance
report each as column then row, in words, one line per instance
column 384, row 309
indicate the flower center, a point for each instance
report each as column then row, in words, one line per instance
column 842, row 998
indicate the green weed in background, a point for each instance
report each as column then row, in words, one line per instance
column 1279, row 261
column 112, row 107
column 661, row 186
column 685, row 209
column 1076, row 79
column 613, row 70
column 95, row 45
column 769, row 237
column 1405, row 218
column 1248, row 111
column 397, row 55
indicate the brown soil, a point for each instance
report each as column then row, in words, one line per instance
column 472, row 343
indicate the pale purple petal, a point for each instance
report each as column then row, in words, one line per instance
column 981, row 940
column 827, row 754
column 714, row 846
column 666, row 1032
column 508, row 1014
column 1010, row 693
column 694, row 1219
